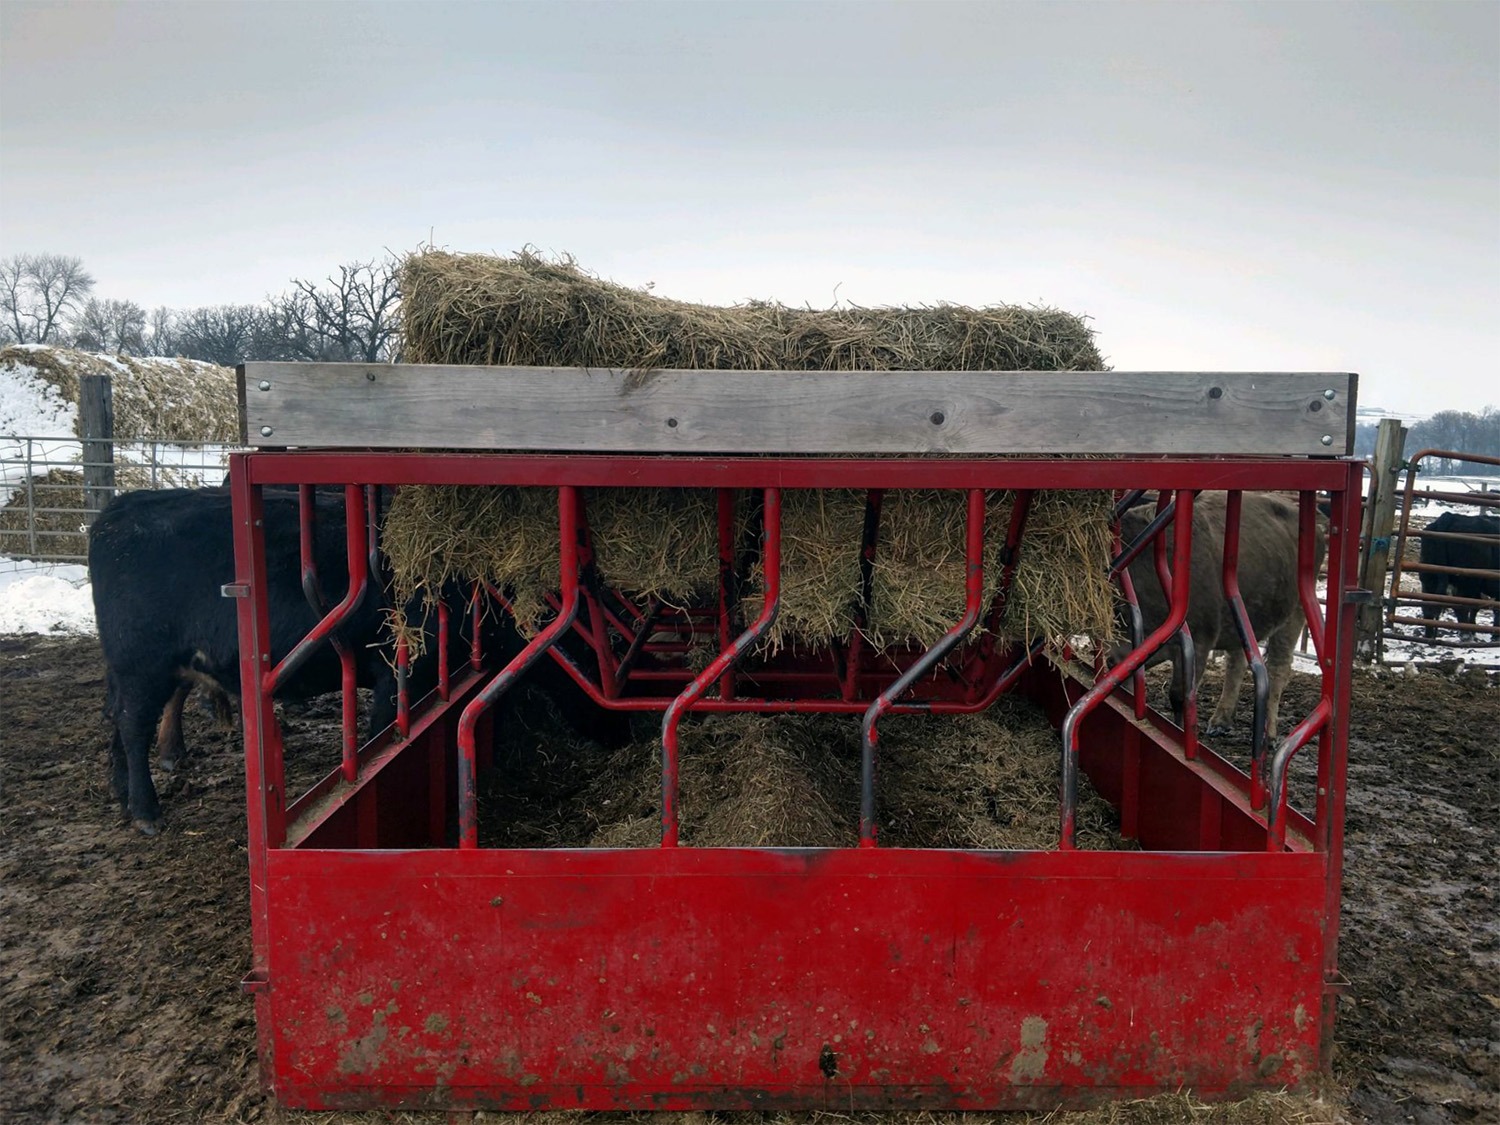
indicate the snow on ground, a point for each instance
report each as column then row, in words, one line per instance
column 44, row 598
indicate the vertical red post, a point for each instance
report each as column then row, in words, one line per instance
column 264, row 781
column 1182, row 545
column 354, row 536
column 771, row 568
column 479, row 707
column 444, row 685
column 973, row 605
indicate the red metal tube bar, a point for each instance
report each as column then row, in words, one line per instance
column 670, row 471
column 1302, row 733
column 1185, row 673
column 445, row 674
column 1262, row 680
column 973, row 604
column 354, row 536
column 468, row 797
column 1177, row 613
column 725, row 499
column 771, row 568
column 476, row 621
column 855, row 657
column 403, row 688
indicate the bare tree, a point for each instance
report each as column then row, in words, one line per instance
column 37, row 291
column 110, row 326
column 160, row 335
column 222, row 334
column 352, row 317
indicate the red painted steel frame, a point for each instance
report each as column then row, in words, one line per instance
column 391, row 968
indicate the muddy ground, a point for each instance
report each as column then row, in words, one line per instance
column 120, row 957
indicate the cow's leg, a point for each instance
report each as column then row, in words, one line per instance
column 119, row 779
column 223, row 707
column 1466, row 614
column 1234, row 678
column 138, row 708
column 170, row 745
column 1279, row 667
column 1433, row 584
column 1179, row 672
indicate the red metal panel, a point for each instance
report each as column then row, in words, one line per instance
column 852, row 979
column 596, row 471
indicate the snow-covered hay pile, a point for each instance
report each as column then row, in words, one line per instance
column 177, row 403
column 531, row 311
column 157, row 397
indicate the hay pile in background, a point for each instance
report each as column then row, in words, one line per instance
column 183, row 400
column 530, row 311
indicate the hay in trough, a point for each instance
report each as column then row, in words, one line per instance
column 743, row 780
column 979, row 781
column 531, row 311
column 982, row 781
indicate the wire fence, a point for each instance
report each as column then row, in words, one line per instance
column 50, row 491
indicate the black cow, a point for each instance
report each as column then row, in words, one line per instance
column 158, row 561
column 1465, row 553
column 1268, row 586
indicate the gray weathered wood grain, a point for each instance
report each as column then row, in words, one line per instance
column 349, row 405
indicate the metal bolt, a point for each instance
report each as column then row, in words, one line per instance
column 1330, row 394
column 265, row 384
column 1327, row 439
column 266, row 431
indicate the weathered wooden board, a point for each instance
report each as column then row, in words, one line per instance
column 398, row 406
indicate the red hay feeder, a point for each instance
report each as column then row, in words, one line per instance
column 397, row 963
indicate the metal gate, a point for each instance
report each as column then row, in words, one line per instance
column 1469, row 589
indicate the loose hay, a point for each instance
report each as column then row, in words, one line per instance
column 980, row 781
column 528, row 310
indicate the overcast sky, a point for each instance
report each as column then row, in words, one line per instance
column 1265, row 186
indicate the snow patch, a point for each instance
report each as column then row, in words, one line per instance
column 45, row 598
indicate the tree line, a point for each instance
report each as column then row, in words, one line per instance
column 1459, row 431
column 352, row 315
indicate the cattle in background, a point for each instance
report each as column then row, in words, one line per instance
column 1467, row 554
column 1268, row 585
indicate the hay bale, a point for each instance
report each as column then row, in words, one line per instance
column 528, row 310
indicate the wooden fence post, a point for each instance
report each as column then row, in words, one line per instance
column 1379, row 524
column 96, row 425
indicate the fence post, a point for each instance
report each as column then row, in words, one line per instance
column 1379, row 523
column 96, row 425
